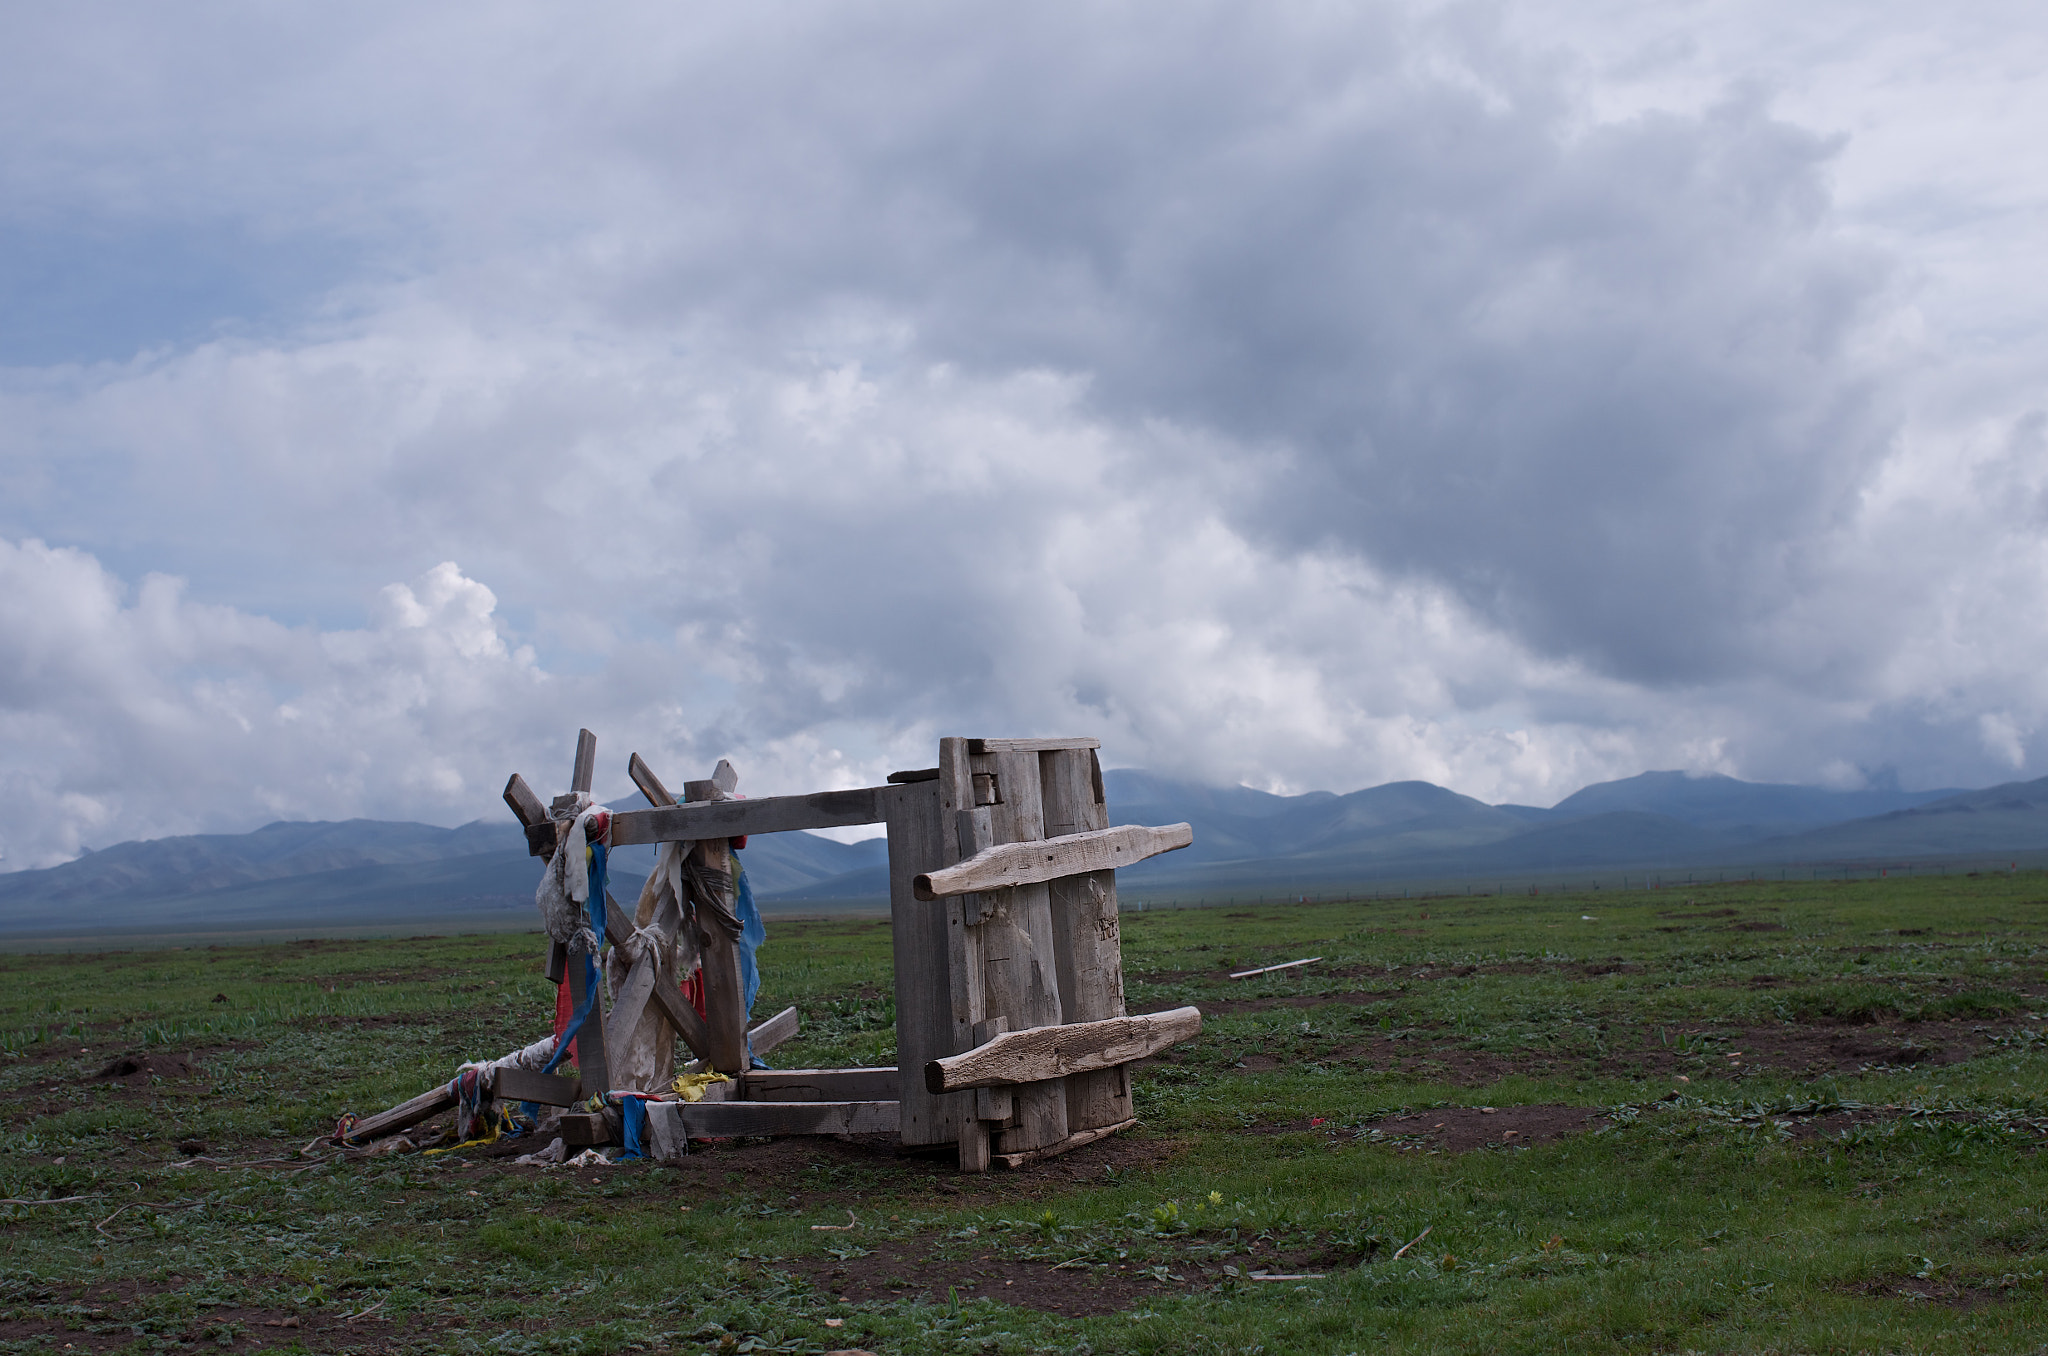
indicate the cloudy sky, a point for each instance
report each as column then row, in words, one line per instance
column 1512, row 396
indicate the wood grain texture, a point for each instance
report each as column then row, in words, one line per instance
column 959, row 965
column 649, row 784
column 783, row 1026
column 732, row 818
column 1070, row 1143
column 590, row 1058
column 430, row 1103
column 1019, row 1057
column 820, row 1085
column 1010, row 864
column 1030, row 745
column 1087, row 934
column 586, row 761
column 527, row 807
column 531, row 1085
column 1020, row 978
column 925, row 938
column 721, row 1120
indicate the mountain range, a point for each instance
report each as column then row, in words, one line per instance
column 367, row 873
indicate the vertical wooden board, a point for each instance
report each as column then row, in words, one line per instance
column 925, row 1018
column 590, row 1058
column 586, row 761
column 1086, row 940
column 1020, row 975
column 725, row 992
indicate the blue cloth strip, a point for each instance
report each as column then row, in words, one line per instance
column 595, row 906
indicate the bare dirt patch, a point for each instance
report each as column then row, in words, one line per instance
column 1460, row 1129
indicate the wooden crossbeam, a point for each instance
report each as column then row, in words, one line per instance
column 820, row 1085
column 1031, row 745
column 1049, row 859
column 722, row 819
column 719, row 1120
column 1055, row 1051
column 530, row 1085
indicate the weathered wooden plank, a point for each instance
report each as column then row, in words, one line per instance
column 649, row 784
column 1055, row 1051
column 1067, row 1145
column 590, row 1060
column 583, row 1129
column 631, row 1001
column 527, row 807
column 1009, row 864
column 1030, row 745
column 765, row 1036
column 1020, row 978
column 926, row 1023
column 531, row 1085
column 718, row 1120
column 725, row 994
column 733, row 818
column 430, row 1103
column 918, row 774
column 1087, row 941
column 820, row 1085
column 586, row 761
column 1269, row 969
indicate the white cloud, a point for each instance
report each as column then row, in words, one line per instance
column 1311, row 397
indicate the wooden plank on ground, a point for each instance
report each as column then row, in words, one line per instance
column 430, row 1103
column 1087, row 935
column 1067, row 1145
column 820, row 1085
column 1008, row 864
column 583, row 1129
column 927, row 1024
column 718, row 1120
column 733, row 818
column 531, row 1085
column 1030, row 745
column 1020, row 977
column 1055, row 1051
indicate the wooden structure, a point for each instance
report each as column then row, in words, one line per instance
column 1012, row 1038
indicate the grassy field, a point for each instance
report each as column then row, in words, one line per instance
column 1797, row 1117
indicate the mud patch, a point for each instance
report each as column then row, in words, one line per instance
column 1460, row 1129
column 1960, row 1296
column 141, row 1067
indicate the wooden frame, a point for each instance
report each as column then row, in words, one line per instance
column 1011, row 1034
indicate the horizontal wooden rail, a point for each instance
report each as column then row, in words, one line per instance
column 1044, row 1052
column 1047, row 859
column 732, row 818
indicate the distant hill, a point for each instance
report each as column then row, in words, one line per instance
column 371, row 873
column 357, row 872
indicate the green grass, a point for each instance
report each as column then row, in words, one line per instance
column 1731, row 1198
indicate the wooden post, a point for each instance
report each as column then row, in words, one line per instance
column 725, row 993
column 926, row 934
column 1087, row 937
column 1020, row 977
column 586, row 761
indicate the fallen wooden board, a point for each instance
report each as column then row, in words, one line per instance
column 701, row 820
column 1073, row 1141
column 721, row 1120
column 530, row 1085
column 1269, row 969
column 1043, row 1052
column 430, row 1103
column 820, row 1085
column 1050, row 859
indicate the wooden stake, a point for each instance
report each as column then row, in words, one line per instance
column 1087, row 935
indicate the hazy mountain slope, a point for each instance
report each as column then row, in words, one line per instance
column 1744, row 810
column 2008, row 818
